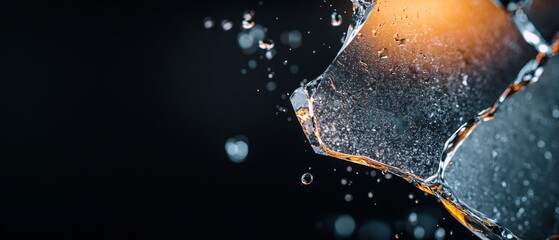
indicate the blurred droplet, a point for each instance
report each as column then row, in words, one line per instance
column 440, row 233
column 344, row 226
column 248, row 24
column 248, row 15
column 237, row 148
column 348, row 197
column 306, row 178
column 336, row 19
column 226, row 24
column 266, row 44
column 208, row 22
column 271, row 86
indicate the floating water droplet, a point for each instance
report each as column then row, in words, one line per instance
column 555, row 112
column 370, row 194
column 382, row 53
column 306, row 178
column 248, row 24
column 237, row 148
column 294, row 68
column 226, row 24
column 270, row 54
column 419, row 232
column 344, row 226
column 547, row 155
column 541, row 144
column 343, row 181
column 348, row 197
column 266, row 44
column 412, row 218
column 208, row 22
column 292, row 38
column 271, row 86
column 336, row 19
column 252, row 64
column 248, row 15
column 440, row 233
column 410, row 196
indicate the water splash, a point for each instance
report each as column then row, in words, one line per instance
column 396, row 114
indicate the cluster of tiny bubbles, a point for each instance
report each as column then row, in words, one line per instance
column 336, row 19
column 237, row 148
column 306, row 178
column 344, row 226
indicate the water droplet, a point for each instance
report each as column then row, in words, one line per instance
column 208, row 22
column 243, row 71
column 370, row 194
column 237, row 148
column 410, row 196
column 343, row 181
column 382, row 53
column 541, row 144
column 547, row 155
column 266, row 44
column 252, row 64
column 344, row 226
column 271, row 86
column 306, row 178
column 504, row 184
column 226, row 24
column 388, row 176
column 336, row 19
column 440, row 233
column 248, row 14
column 294, row 68
column 399, row 40
column 348, row 197
column 412, row 218
column 248, row 24
column 270, row 54
column 419, row 232
column 349, row 169
column 555, row 112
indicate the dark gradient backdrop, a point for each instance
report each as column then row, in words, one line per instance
column 114, row 117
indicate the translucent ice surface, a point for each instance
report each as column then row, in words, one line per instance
column 508, row 168
column 414, row 73
column 414, row 89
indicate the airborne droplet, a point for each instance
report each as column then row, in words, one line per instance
column 208, row 22
column 306, row 178
column 248, row 24
column 226, row 25
column 266, row 44
column 336, row 19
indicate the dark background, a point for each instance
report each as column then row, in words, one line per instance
column 115, row 114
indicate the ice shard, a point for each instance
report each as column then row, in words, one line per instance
column 409, row 75
column 507, row 168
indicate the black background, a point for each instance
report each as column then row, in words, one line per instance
column 115, row 116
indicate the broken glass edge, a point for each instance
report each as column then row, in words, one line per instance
column 479, row 224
